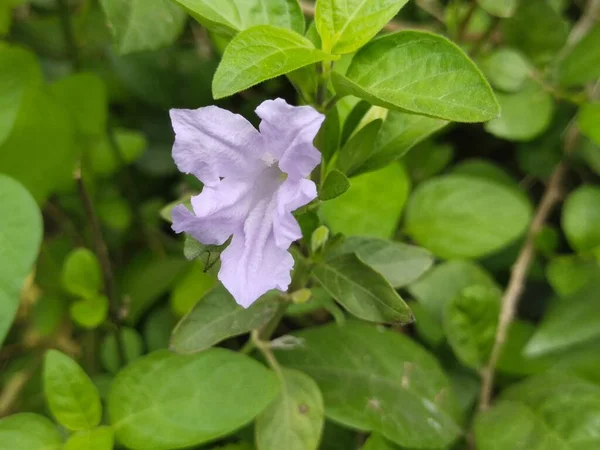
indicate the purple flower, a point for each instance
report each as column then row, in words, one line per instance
column 252, row 182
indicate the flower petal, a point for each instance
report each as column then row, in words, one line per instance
column 253, row 263
column 212, row 142
column 291, row 196
column 289, row 132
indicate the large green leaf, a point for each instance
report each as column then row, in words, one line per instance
column 165, row 401
column 261, row 53
column 27, row 431
column 470, row 322
column 553, row 411
column 101, row 438
column 20, row 74
column 295, row 419
column 71, row 395
column 500, row 8
column 399, row 263
column 347, row 25
column 374, row 379
column 582, row 63
column 139, row 25
column 361, row 290
column 217, row 317
column 20, row 239
column 458, row 216
column 445, row 281
column 525, row 114
column 580, row 217
column 588, row 121
column 373, row 204
column 232, row 16
column 422, row 73
column 569, row 322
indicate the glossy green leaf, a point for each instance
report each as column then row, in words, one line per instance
column 138, row 25
column 553, row 411
column 458, row 216
column 588, row 121
column 569, row 322
column 261, row 53
column 399, row 263
column 85, row 96
column 295, row 419
column 20, row 75
column 229, row 17
column 372, row 206
column 470, row 322
column 361, row 290
column 190, row 288
column 399, row 133
column 165, row 401
column 336, row 183
column 580, row 216
column 21, row 235
column 445, row 281
column 28, row 431
column 347, row 25
column 218, row 317
column 506, row 69
column 371, row 378
column 110, row 356
column 90, row 312
column 439, row 81
column 81, row 274
column 101, row 438
column 540, row 43
column 358, row 148
column 582, row 63
column 525, row 114
column 499, row 8
column 71, row 395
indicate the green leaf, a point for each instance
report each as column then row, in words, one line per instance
column 569, row 273
column 484, row 169
column 427, row 325
column 525, row 114
column 458, row 216
column 542, row 42
column 580, row 216
column 103, row 160
column 41, row 120
column 399, row 133
column 361, row 290
column 370, row 377
column 229, row 17
column 440, row 80
column 553, row 411
column 85, row 96
column 588, row 121
column 158, row 327
column 399, row 263
column 295, row 419
column 345, row 26
column 218, row 317
column 137, row 25
column 358, row 148
column 20, row 75
column 20, row 236
column 335, row 185
column 470, row 322
column 372, row 206
column 582, row 63
column 81, row 274
column 71, row 395
column 261, row 53
column 328, row 137
column 90, row 312
column 133, row 348
column 445, row 281
column 101, row 438
column 190, row 288
column 499, row 8
column 506, row 69
column 378, row 442
column 427, row 159
column 569, row 322
column 165, row 401
column 28, row 431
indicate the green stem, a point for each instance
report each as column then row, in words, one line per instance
column 67, row 28
column 265, row 349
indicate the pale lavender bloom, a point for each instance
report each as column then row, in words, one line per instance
column 252, row 182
